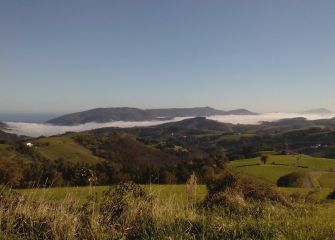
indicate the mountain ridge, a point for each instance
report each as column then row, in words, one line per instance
column 318, row 111
column 102, row 115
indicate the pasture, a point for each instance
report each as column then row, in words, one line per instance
column 64, row 147
column 320, row 170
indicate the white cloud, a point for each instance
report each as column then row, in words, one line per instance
column 268, row 117
column 39, row 129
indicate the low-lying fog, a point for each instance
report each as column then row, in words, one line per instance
column 40, row 129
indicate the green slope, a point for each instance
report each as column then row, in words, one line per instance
column 320, row 170
column 64, row 147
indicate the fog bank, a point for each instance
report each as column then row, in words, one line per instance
column 267, row 117
column 40, row 129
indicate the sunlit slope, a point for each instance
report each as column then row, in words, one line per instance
column 64, row 147
column 320, row 170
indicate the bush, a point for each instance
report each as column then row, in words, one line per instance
column 331, row 195
column 8, row 198
column 232, row 201
column 126, row 210
column 247, row 187
column 295, row 179
column 264, row 159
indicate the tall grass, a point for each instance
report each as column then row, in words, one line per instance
column 131, row 212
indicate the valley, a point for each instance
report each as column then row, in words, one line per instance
column 257, row 180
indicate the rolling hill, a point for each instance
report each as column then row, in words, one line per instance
column 197, row 124
column 125, row 149
column 83, row 148
column 64, row 147
column 102, row 115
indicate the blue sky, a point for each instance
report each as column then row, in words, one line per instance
column 71, row 55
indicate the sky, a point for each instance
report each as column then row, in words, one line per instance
column 70, row 55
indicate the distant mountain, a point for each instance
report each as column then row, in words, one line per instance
column 318, row 111
column 102, row 115
column 240, row 112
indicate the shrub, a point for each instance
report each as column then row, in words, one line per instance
column 331, row 195
column 304, row 198
column 8, row 198
column 126, row 210
column 295, row 179
column 232, row 201
column 264, row 159
column 247, row 187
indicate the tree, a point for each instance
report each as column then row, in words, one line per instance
column 207, row 173
column 168, row 177
column 264, row 159
column 10, row 172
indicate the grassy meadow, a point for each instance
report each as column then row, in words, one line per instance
column 65, row 147
column 320, row 170
column 159, row 212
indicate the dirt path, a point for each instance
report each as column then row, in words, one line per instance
column 308, row 181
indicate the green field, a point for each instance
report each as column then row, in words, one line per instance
column 320, row 170
column 173, row 193
column 277, row 165
column 64, row 147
